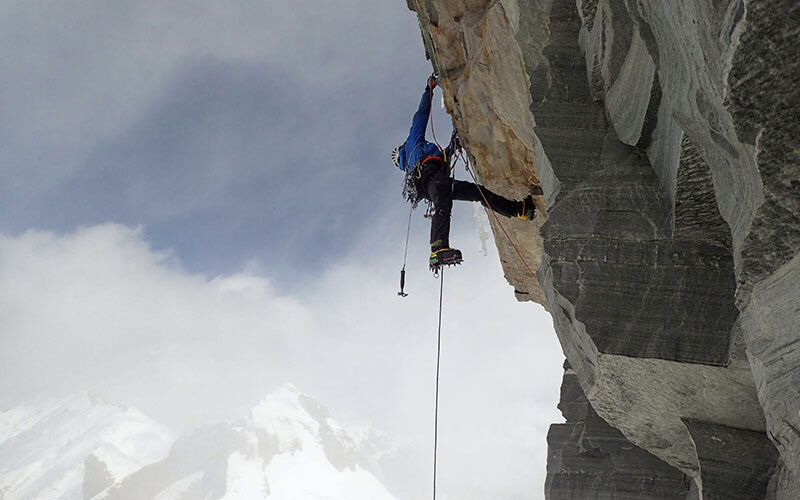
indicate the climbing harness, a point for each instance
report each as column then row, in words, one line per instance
column 429, row 210
column 412, row 185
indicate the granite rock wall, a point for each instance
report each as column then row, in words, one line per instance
column 663, row 138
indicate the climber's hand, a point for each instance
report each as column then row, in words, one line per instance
column 431, row 82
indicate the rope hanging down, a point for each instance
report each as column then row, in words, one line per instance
column 456, row 153
column 438, row 359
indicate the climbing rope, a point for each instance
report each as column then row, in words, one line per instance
column 438, row 359
column 494, row 214
column 439, row 330
column 430, row 117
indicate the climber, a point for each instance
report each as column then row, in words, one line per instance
column 428, row 177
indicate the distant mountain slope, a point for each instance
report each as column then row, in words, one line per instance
column 288, row 448
column 80, row 447
column 73, row 447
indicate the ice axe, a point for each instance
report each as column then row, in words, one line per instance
column 402, row 282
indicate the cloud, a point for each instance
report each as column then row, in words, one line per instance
column 232, row 163
column 100, row 309
column 86, row 68
column 217, row 126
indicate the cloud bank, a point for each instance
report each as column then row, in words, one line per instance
column 100, row 309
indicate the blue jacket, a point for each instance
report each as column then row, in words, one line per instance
column 416, row 148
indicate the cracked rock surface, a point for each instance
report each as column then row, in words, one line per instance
column 663, row 137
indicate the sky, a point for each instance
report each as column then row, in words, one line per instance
column 198, row 207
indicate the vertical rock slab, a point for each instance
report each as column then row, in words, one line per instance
column 643, row 303
column 763, row 97
column 638, row 291
column 772, row 322
column 747, row 476
column 729, row 77
column 764, row 100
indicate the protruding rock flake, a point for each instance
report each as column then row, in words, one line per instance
column 664, row 138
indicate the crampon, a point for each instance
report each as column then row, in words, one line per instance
column 444, row 257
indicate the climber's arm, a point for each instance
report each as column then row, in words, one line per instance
column 420, row 121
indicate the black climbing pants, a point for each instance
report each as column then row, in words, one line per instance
column 436, row 185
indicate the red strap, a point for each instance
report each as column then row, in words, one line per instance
column 432, row 158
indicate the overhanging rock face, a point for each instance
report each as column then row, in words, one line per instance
column 640, row 287
column 664, row 138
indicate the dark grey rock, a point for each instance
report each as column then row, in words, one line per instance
column 206, row 450
column 96, row 477
column 697, row 217
column 764, row 101
column 639, row 289
column 638, row 261
column 666, row 146
column 589, row 459
column 771, row 322
column 735, row 464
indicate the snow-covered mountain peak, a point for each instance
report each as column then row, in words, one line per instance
column 288, row 448
column 282, row 416
column 298, row 421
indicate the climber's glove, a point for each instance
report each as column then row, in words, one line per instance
column 431, row 83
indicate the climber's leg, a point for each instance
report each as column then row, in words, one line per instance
column 440, row 191
column 468, row 191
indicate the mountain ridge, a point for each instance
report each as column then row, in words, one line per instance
column 288, row 447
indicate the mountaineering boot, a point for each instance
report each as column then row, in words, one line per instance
column 528, row 209
column 445, row 257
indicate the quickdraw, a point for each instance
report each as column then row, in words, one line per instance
column 410, row 186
